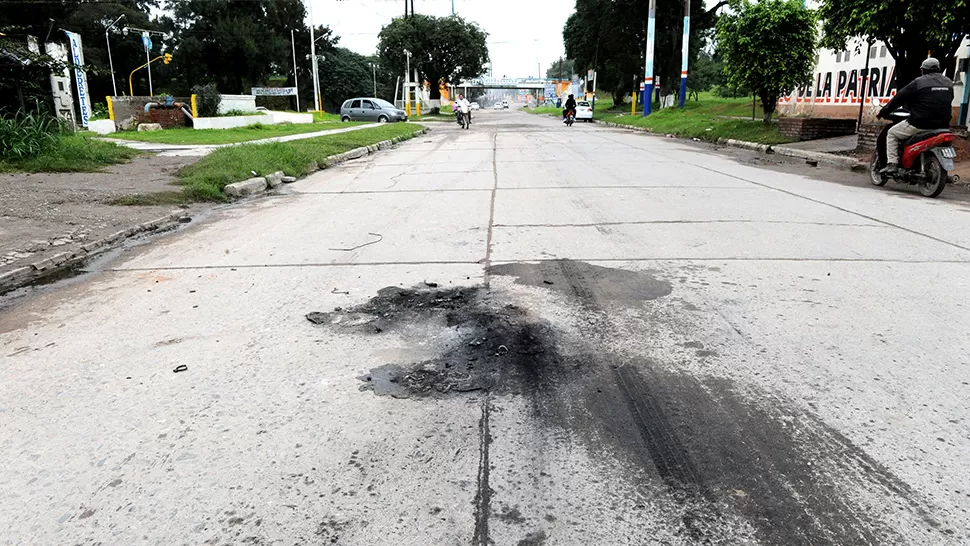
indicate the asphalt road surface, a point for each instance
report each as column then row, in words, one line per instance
column 520, row 334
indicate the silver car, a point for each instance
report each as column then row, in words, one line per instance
column 371, row 109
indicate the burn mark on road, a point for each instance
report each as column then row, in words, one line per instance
column 723, row 453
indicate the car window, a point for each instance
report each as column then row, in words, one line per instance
column 346, row 104
column 356, row 104
column 583, row 103
column 368, row 105
column 383, row 104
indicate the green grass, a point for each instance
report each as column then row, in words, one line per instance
column 321, row 117
column 204, row 180
column 149, row 199
column 709, row 118
column 186, row 135
column 71, row 153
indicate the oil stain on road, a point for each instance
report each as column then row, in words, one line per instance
column 724, row 452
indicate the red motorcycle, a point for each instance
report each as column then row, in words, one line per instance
column 924, row 159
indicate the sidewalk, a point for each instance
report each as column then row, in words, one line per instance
column 198, row 150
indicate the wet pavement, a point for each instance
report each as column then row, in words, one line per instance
column 517, row 334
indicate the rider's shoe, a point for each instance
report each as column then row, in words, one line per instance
column 891, row 169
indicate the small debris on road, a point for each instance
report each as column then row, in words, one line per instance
column 180, row 368
column 431, row 284
column 335, row 291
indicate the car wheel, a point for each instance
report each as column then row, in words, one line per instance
column 344, row 119
column 382, row 119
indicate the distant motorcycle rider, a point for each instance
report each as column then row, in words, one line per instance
column 929, row 99
column 570, row 106
column 464, row 109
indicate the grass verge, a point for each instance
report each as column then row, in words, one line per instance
column 71, row 154
column 325, row 117
column 205, row 180
column 186, row 135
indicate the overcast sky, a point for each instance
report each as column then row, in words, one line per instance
column 522, row 35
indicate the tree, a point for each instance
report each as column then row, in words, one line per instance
column 909, row 29
column 236, row 45
column 610, row 36
column 443, row 49
column 561, row 69
column 769, row 47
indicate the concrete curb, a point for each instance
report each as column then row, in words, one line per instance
column 260, row 184
column 52, row 265
column 833, row 160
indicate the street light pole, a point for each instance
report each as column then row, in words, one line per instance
column 114, row 83
column 313, row 62
column 407, row 83
column 374, row 69
column 648, row 69
column 296, row 82
column 685, row 53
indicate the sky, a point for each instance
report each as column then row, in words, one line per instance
column 524, row 37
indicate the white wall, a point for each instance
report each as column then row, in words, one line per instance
column 243, row 103
column 270, row 118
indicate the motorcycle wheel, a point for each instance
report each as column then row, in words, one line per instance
column 874, row 166
column 936, row 178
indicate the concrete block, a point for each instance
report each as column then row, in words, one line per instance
column 246, row 187
column 288, row 179
column 275, row 179
column 356, row 153
column 16, row 274
column 58, row 259
column 102, row 126
column 43, row 264
column 149, row 127
column 90, row 247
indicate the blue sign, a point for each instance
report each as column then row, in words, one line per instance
column 146, row 41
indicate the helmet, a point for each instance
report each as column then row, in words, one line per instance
column 931, row 64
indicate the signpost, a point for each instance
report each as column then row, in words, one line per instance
column 274, row 91
column 648, row 70
column 80, row 78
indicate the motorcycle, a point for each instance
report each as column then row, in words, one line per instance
column 924, row 159
column 464, row 119
column 569, row 118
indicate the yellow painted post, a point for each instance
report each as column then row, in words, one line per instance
column 195, row 107
column 407, row 102
column 417, row 104
column 633, row 110
column 111, row 109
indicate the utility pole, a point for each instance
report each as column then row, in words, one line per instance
column 407, row 83
column 373, row 67
column 685, row 53
column 966, row 92
column 114, row 84
column 296, row 82
column 648, row 70
column 313, row 62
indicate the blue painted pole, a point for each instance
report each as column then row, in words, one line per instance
column 685, row 54
column 648, row 70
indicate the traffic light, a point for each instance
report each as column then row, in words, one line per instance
column 168, row 58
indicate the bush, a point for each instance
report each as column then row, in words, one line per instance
column 27, row 135
column 207, row 99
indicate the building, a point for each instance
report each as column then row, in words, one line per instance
column 837, row 87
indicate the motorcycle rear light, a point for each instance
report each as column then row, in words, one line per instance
column 947, row 139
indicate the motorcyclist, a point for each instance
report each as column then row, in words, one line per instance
column 570, row 106
column 929, row 99
column 464, row 108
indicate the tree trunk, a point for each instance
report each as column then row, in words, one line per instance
column 768, row 103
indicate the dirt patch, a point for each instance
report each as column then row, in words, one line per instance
column 736, row 462
column 576, row 278
column 45, row 214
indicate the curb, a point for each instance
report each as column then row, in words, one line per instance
column 52, row 265
column 260, row 184
column 822, row 158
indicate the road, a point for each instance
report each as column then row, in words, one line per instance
column 519, row 334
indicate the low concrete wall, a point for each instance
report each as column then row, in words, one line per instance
column 102, row 126
column 269, row 118
column 243, row 103
column 290, row 117
column 869, row 134
column 815, row 128
column 128, row 112
column 230, row 122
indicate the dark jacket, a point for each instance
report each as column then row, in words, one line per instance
column 570, row 104
column 929, row 99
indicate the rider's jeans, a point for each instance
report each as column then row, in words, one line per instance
column 898, row 133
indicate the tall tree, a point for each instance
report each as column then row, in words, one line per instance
column 909, row 29
column 444, row 49
column 768, row 46
column 237, row 45
column 610, row 36
column 561, row 69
